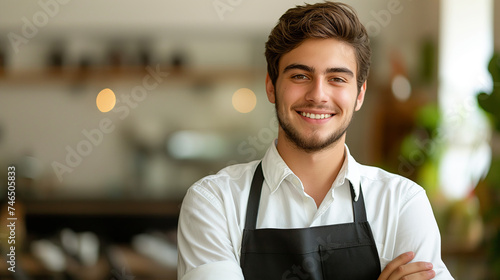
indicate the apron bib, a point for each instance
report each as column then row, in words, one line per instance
column 341, row 251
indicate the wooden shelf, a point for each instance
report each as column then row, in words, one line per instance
column 118, row 207
column 114, row 222
column 106, row 73
column 136, row 265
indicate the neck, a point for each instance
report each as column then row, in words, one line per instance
column 316, row 170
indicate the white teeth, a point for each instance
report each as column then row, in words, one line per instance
column 316, row 116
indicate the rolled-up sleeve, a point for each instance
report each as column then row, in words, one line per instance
column 204, row 242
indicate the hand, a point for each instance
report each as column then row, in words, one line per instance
column 400, row 267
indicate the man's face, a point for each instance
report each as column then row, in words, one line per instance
column 316, row 93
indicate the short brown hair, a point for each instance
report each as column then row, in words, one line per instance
column 321, row 20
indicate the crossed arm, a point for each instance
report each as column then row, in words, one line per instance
column 401, row 268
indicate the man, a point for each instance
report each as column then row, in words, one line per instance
column 308, row 210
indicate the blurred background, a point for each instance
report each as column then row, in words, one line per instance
column 110, row 110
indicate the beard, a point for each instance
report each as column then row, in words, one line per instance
column 311, row 144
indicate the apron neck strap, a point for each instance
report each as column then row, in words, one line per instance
column 358, row 207
column 254, row 198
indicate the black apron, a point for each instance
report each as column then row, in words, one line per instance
column 341, row 251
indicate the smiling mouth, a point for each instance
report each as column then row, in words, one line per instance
column 316, row 116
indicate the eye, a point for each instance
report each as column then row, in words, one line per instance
column 338, row 80
column 299, row 77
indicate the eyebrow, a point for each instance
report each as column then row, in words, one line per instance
column 312, row 69
column 300, row 67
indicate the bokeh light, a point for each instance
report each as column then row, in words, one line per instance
column 106, row 100
column 244, row 100
column 401, row 88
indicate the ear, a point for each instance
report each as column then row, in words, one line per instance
column 271, row 93
column 361, row 97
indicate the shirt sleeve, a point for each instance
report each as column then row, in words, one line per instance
column 222, row 270
column 204, row 242
column 417, row 231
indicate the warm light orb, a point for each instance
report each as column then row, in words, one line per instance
column 401, row 88
column 106, row 100
column 244, row 100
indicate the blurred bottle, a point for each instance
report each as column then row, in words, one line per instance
column 144, row 53
column 55, row 60
column 115, row 59
column 178, row 61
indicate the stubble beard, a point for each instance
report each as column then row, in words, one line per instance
column 311, row 145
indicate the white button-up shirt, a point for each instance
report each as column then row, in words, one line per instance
column 213, row 212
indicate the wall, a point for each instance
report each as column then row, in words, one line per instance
column 42, row 115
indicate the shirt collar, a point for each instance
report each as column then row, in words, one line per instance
column 275, row 170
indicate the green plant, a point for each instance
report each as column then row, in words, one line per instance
column 490, row 103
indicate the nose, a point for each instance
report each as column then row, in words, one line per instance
column 316, row 92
